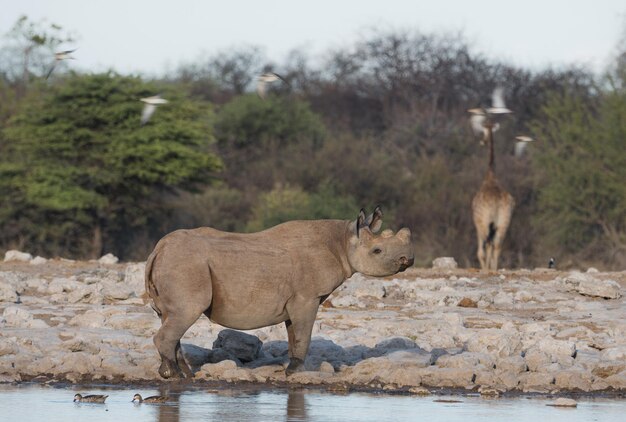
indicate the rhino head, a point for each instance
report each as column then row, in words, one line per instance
column 378, row 255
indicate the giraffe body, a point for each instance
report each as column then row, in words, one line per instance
column 492, row 208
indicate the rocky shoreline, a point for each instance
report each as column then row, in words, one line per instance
column 539, row 331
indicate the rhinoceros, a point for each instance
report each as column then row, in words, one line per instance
column 253, row 280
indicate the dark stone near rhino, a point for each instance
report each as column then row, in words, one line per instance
column 244, row 347
column 219, row 355
column 195, row 356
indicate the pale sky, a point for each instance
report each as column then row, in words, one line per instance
column 149, row 36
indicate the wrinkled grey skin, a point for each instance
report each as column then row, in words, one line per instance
column 248, row 281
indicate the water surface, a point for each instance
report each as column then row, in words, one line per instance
column 53, row 403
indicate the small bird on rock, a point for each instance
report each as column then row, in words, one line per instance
column 151, row 399
column 552, row 263
column 90, row 398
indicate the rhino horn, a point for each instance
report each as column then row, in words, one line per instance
column 404, row 234
column 387, row 233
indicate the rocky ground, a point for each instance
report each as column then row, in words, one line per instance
column 527, row 331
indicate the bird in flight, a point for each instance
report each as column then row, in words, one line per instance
column 150, row 106
column 521, row 142
column 482, row 115
column 265, row 79
column 60, row 56
column 497, row 102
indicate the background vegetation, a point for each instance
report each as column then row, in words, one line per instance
column 381, row 122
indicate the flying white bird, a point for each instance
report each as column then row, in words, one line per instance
column 478, row 120
column 150, row 107
column 497, row 102
column 264, row 79
column 483, row 116
column 521, row 142
column 59, row 56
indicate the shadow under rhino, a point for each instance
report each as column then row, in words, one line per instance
column 248, row 351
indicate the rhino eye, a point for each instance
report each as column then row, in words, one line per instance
column 376, row 251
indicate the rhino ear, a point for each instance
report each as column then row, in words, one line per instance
column 375, row 221
column 360, row 221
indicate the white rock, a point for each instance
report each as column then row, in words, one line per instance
column 108, row 259
column 614, row 353
column 134, row 277
column 495, row 342
column 563, row 402
column 445, row 263
column 592, row 270
column 62, row 285
column 523, row 296
column 15, row 316
column 90, row 319
column 608, row 289
column 503, row 299
column 8, row 293
column 344, row 301
column 14, row 255
column 558, row 350
column 117, row 291
column 38, row 260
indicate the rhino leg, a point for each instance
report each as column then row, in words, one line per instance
column 182, row 363
column 167, row 342
column 299, row 327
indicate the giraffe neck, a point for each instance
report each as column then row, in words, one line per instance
column 492, row 163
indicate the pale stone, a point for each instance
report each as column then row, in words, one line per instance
column 90, row 319
column 614, row 353
column 38, row 260
column 134, row 278
column 215, row 370
column 536, row 382
column 608, row 289
column 536, row 359
column 563, row 402
column 14, row 255
column 557, row 350
column 108, row 259
column 8, row 293
column 445, row 263
column 605, row 369
column 573, row 379
column 495, row 342
column 512, row 364
column 327, row 367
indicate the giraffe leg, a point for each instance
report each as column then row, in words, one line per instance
column 489, row 252
column 481, row 237
column 481, row 254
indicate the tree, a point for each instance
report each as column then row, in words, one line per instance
column 254, row 138
column 29, row 49
column 81, row 172
column 581, row 171
column 292, row 203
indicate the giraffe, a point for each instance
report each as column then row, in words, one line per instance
column 492, row 207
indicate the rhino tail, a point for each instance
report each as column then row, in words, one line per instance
column 151, row 290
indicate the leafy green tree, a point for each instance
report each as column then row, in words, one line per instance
column 581, row 169
column 83, row 173
column 292, row 203
column 248, row 121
